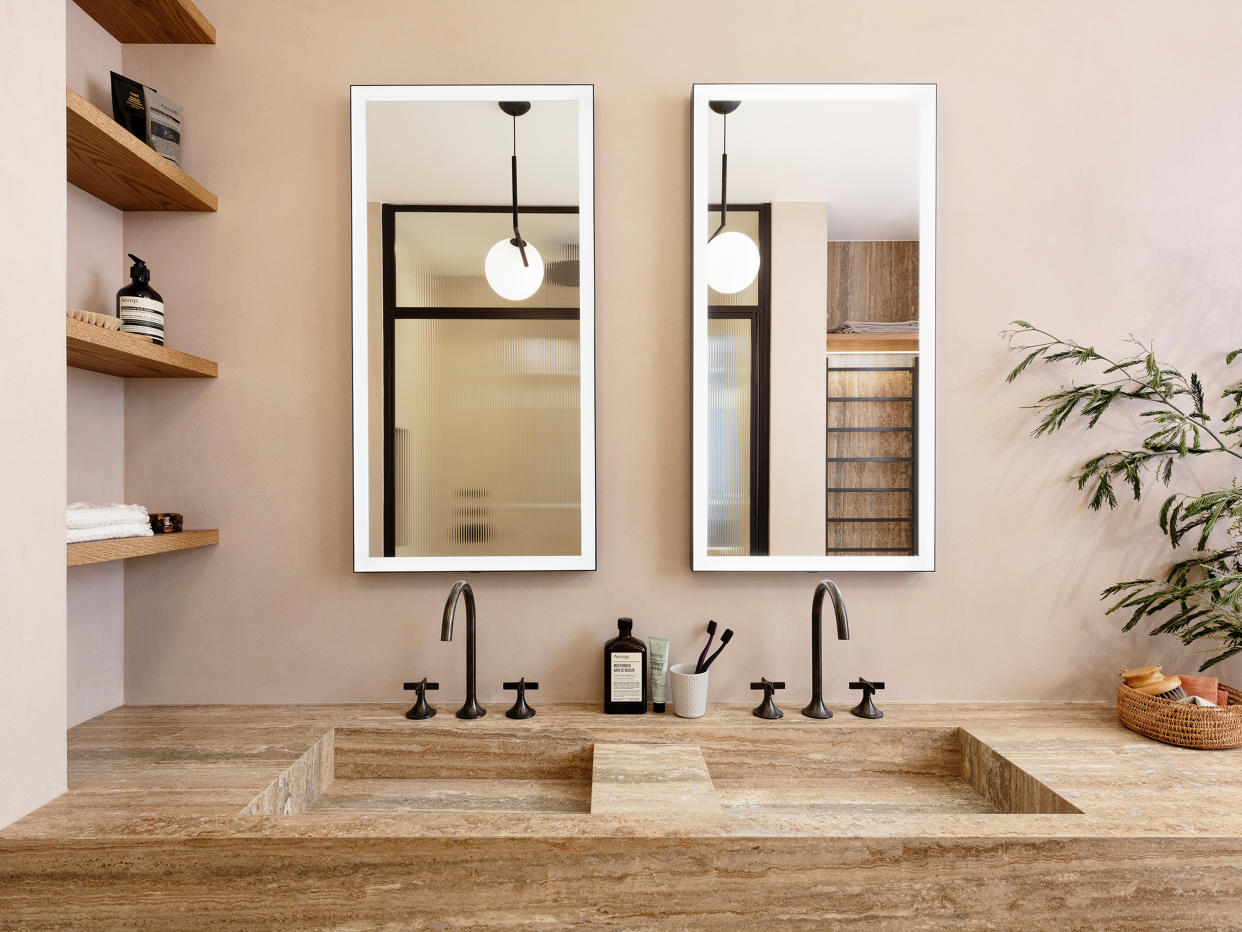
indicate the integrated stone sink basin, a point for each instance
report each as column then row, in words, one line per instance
column 820, row 772
column 428, row 770
column 858, row 770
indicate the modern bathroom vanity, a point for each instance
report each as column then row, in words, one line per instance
column 637, row 345
column 1014, row 815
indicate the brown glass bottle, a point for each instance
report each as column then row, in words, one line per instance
column 140, row 306
column 625, row 672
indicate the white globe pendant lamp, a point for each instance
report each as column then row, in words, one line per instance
column 732, row 257
column 513, row 267
column 505, row 272
column 732, row 262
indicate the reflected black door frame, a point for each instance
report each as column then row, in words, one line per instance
column 393, row 313
column 759, row 316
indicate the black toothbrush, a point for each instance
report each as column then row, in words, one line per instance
column 711, row 633
column 724, row 639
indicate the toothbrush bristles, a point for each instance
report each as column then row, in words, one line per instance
column 724, row 639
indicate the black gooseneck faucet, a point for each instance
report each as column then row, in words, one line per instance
column 471, row 707
column 816, row 708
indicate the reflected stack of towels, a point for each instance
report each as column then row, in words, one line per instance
column 878, row 326
column 84, row 521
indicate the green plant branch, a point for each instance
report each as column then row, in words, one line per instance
column 1156, row 395
column 1200, row 597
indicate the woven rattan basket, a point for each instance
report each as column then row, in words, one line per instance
column 1187, row 726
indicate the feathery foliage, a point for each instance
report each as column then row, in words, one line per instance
column 1200, row 597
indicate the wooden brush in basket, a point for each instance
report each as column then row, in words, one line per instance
column 1152, row 682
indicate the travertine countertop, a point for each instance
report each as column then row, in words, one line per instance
column 190, row 771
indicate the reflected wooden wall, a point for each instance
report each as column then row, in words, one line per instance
column 872, row 281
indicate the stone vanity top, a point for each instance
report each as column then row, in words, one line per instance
column 929, row 770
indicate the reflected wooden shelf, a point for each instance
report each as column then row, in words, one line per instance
column 129, row 356
column 106, row 160
column 123, row 548
column 145, row 22
column 873, row 343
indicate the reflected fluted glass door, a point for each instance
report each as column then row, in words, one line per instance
column 486, row 437
column 728, row 436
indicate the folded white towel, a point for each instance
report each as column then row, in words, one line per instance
column 85, row 515
column 107, row 532
column 1197, row 700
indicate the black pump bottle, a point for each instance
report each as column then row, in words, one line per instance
column 140, row 306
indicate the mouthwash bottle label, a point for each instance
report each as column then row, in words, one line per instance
column 627, row 677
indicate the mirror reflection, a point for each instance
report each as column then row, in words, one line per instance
column 814, row 310
column 479, row 434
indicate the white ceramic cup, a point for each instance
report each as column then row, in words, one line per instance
column 689, row 690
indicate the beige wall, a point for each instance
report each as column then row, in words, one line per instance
column 1088, row 179
column 32, row 416
column 96, row 403
column 796, row 503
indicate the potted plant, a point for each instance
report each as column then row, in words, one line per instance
column 1199, row 598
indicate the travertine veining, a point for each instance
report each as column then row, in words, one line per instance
column 669, row 779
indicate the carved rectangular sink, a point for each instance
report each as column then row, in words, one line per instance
column 365, row 770
column 383, row 771
column 859, row 770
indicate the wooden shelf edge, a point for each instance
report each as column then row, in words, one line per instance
column 171, row 22
column 872, row 342
column 123, row 354
column 123, row 548
column 107, row 161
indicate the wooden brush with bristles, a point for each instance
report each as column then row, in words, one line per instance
column 1151, row 681
column 107, row 321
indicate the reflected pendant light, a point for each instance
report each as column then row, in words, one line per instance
column 732, row 257
column 514, row 267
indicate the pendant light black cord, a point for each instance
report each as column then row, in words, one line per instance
column 517, row 236
column 724, row 179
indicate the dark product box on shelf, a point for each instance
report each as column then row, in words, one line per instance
column 149, row 115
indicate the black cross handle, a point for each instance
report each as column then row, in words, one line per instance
column 867, row 708
column 767, row 709
column 422, row 708
column 520, row 708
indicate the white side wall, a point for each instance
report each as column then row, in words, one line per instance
column 799, row 321
column 32, row 417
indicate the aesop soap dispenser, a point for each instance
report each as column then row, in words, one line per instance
column 140, row 306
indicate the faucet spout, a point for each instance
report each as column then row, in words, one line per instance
column 816, row 708
column 471, row 707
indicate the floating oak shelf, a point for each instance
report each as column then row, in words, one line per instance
column 151, row 21
column 108, row 161
column 873, row 342
column 114, row 353
column 102, row 551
